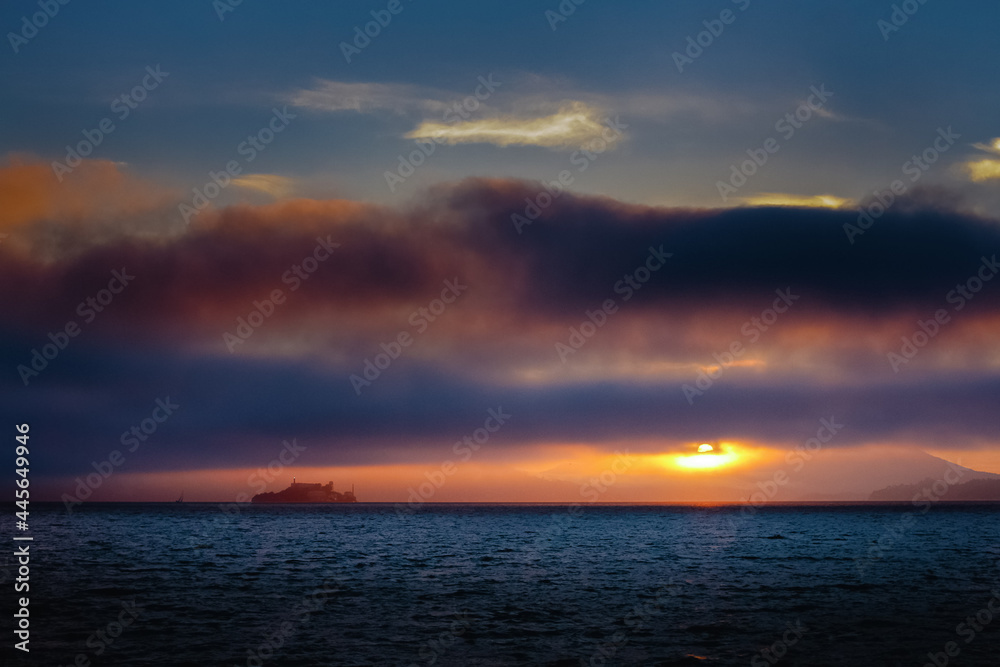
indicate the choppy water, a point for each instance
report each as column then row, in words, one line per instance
column 510, row 585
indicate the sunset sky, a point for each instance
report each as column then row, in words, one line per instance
column 505, row 252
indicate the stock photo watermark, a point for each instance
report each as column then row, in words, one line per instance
column 968, row 630
column 464, row 449
column 928, row 329
column 265, row 308
column 122, row 106
column 899, row 17
column 420, row 319
column 363, row 36
column 786, row 126
column 914, row 168
column 433, row 648
column 591, row 491
column 629, row 284
column 289, row 625
column 223, row 7
column 752, row 329
column 561, row 13
column 796, row 458
column 696, row 44
column 922, row 501
column 132, row 439
column 581, row 159
column 102, row 639
column 637, row 619
column 30, row 25
column 88, row 309
column 249, row 149
column 773, row 654
column 457, row 112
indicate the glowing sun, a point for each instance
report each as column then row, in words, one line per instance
column 708, row 456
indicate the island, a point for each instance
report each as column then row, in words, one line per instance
column 300, row 492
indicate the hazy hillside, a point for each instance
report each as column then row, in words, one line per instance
column 976, row 489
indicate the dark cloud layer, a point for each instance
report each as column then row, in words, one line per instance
column 567, row 260
column 161, row 336
column 233, row 412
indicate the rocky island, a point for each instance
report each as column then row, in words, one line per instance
column 306, row 493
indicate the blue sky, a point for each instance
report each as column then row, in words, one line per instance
column 686, row 128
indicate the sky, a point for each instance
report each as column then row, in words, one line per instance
column 500, row 251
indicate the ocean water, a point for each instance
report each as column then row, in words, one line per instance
column 166, row 584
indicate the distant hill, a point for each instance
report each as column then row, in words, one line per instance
column 974, row 490
column 851, row 474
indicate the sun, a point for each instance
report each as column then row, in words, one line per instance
column 708, row 457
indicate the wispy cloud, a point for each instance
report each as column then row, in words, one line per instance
column 993, row 147
column 571, row 126
column 531, row 120
column 271, row 184
column 333, row 96
column 803, row 201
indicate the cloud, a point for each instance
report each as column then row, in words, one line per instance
column 569, row 128
column 801, row 201
column 985, row 169
column 495, row 345
column 233, row 411
column 992, row 147
column 534, row 120
column 526, row 291
column 30, row 192
column 95, row 204
column 276, row 186
column 569, row 259
column 333, row 96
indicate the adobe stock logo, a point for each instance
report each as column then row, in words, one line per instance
column 696, row 44
column 425, row 146
column 786, row 126
column 420, row 319
column 38, row 20
column 629, row 284
column 249, row 149
column 88, row 310
column 294, row 276
column 752, row 329
column 562, row 12
column 915, row 168
column 464, row 449
column 122, row 106
column 372, row 29
column 133, row 438
column 899, row 17
column 959, row 297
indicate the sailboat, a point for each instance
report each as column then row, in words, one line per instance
column 181, row 499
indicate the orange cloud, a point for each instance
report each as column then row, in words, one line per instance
column 30, row 192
